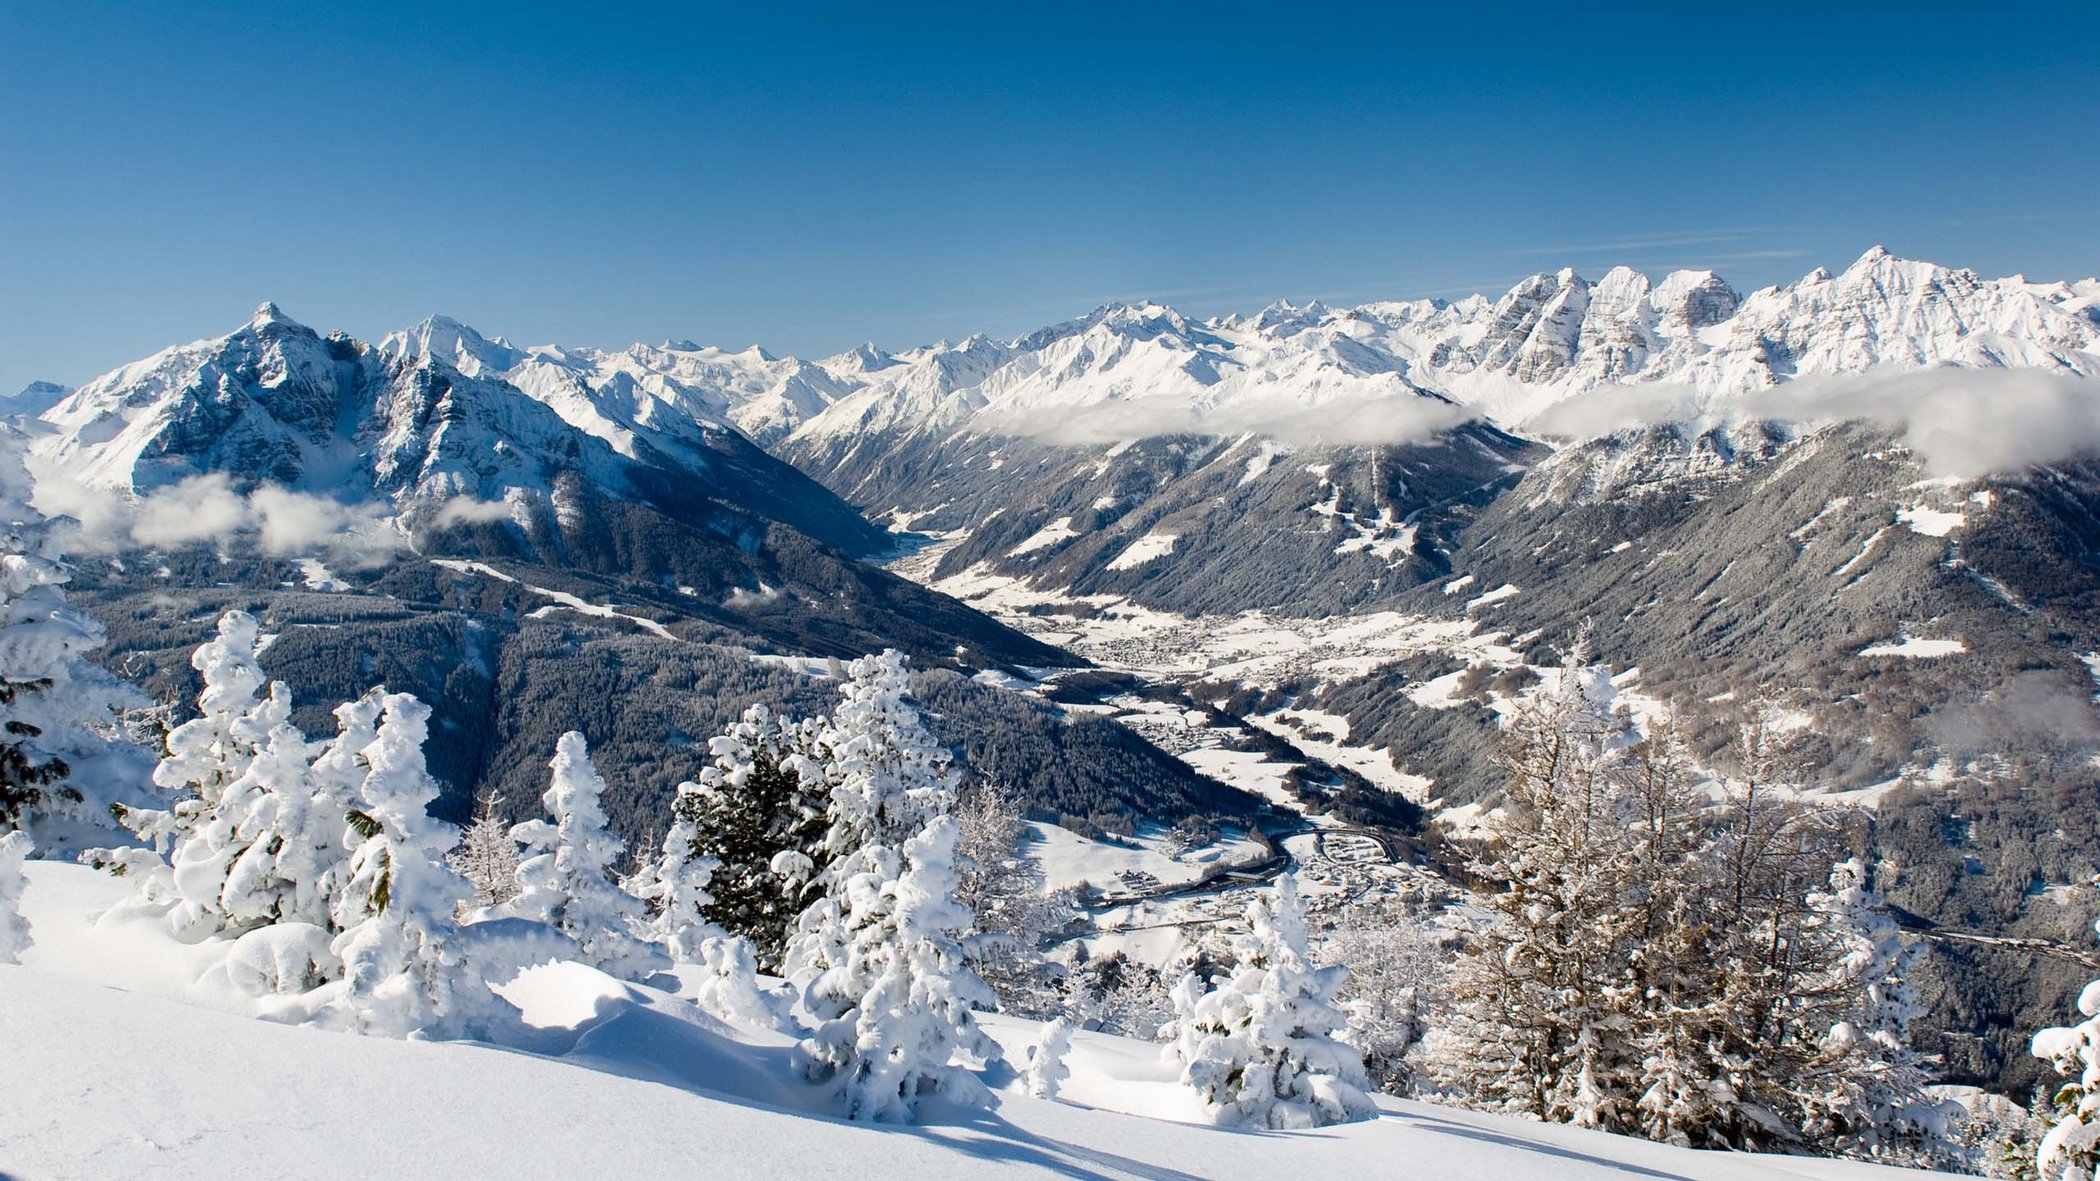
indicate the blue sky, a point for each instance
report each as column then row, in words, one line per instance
column 809, row 176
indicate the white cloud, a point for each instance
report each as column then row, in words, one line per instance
column 207, row 509
column 465, row 510
column 1364, row 421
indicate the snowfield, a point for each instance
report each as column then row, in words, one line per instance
column 624, row 1080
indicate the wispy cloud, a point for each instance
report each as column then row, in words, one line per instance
column 1657, row 241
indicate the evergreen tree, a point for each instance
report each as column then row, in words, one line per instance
column 15, row 847
column 2070, row 1149
column 1259, row 1048
column 210, row 751
column 566, row 878
column 758, row 813
column 887, row 774
column 488, row 856
column 251, row 860
column 62, row 757
column 405, row 966
column 675, row 886
column 891, row 991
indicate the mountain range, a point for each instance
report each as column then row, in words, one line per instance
column 1746, row 497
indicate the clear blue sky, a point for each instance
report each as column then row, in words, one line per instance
column 810, row 176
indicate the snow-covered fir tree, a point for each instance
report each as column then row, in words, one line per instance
column 1016, row 913
column 566, row 879
column 15, row 935
column 405, row 966
column 675, row 886
column 210, row 751
column 63, row 759
column 1878, row 1106
column 257, row 857
column 1260, row 1046
column 488, row 856
column 758, row 812
column 887, row 774
column 2070, row 1149
column 880, row 964
column 1047, row 1070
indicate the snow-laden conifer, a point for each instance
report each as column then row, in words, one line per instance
column 566, row 879
column 2070, row 1149
column 62, row 760
column 891, row 992
column 887, row 774
column 253, row 858
column 675, row 885
column 405, row 967
column 1260, row 1047
column 15, row 847
column 208, row 752
column 757, row 813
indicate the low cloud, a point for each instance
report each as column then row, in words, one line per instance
column 465, row 510
column 1362, row 421
column 1962, row 423
column 208, row 509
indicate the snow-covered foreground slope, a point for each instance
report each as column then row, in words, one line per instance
column 121, row 1063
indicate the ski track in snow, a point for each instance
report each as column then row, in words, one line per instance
column 561, row 598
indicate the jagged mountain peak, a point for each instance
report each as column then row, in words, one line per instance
column 440, row 337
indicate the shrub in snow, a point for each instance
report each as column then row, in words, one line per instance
column 728, row 985
column 283, row 959
column 1395, row 986
column 881, row 967
column 405, row 968
column 61, row 756
column 488, row 856
column 1047, row 1071
column 759, row 813
column 2070, row 1150
column 566, row 878
column 1260, row 1048
column 675, row 886
column 14, row 929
